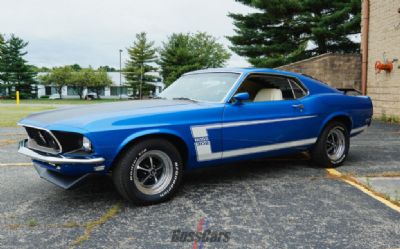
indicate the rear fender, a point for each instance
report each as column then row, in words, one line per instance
column 332, row 116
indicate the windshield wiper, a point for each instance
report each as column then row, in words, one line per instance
column 184, row 98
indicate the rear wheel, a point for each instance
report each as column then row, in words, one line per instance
column 149, row 172
column 332, row 146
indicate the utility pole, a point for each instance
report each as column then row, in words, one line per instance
column 120, row 74
column 141, row 81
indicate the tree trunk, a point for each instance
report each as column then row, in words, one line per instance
column 98, row 93
column 60, row 92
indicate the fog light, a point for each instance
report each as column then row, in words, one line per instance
column 86, row 144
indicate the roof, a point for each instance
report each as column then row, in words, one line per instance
column 247, row 70
column 311, row 84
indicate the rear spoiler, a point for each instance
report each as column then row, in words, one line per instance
column 350, row 91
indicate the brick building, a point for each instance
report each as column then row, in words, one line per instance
column 381, row 42
column 338, row 70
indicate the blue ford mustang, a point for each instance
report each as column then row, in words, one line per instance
column 205, row 118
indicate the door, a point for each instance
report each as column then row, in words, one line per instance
column 274, row 117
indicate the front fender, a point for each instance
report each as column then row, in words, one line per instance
column 146, row 133
column 143, row 133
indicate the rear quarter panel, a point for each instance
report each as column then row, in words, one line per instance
column 330, row 105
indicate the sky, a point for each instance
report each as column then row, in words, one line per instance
column 91, row 32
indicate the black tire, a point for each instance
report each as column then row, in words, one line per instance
column 128, row 170
column 320, row 152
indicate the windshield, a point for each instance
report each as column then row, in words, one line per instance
column 210, row 87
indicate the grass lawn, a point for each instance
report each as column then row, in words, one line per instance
column 10, row 115
column 58, row 101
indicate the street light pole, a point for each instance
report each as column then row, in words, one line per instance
column 141, row 80
column 120, row 74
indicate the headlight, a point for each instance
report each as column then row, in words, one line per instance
column 86, row 144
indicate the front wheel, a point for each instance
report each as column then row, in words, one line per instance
column 148, row 172
column 332, row 146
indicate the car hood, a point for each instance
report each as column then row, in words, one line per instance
column 113, row 113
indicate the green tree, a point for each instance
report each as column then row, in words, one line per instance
column 2, row 85
column 15, row 72
column 182, row 53
column 285, row 31
column 80, row 81
column 76, row 67
column 41, row 69
column 106, row 68
column 97, row 81
column 58, row 78
column 142, row 56
column 2, row 44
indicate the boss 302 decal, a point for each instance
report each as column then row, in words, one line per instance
column 203, row 144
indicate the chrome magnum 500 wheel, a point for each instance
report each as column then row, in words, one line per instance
column 336, row 143
column 152, row 172
column 332, row 145
column 148, row 172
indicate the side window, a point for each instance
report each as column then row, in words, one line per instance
column 263, row 88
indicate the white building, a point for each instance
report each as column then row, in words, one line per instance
column 116, row 90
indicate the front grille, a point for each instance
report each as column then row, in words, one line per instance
column 42, row 140
column 69, row 141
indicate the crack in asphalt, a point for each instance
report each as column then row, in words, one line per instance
column 258, row 214
column 90, row 226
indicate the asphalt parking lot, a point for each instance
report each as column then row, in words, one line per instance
column 275, row 203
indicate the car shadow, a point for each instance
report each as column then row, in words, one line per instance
column 294, row 165
column 252, row 169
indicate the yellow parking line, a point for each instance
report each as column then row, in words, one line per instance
column 15, row 164
column 353, row 182
column 5, row 142
column 12, row 134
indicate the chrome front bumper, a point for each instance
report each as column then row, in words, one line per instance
column 23, row 149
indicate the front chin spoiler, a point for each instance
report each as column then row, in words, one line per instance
column 63, row 181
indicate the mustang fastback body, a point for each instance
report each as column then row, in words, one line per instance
column 210, row 117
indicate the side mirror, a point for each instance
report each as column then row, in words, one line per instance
column 240, row 97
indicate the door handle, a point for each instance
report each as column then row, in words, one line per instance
column 298, row 106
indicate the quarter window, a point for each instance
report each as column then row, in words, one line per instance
column 298, row 91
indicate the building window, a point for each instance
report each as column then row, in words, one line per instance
column 71, row 91
column 49, row 90
column 115, row 90
column 3, row 90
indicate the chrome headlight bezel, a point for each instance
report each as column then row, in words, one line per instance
column 86, row 144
